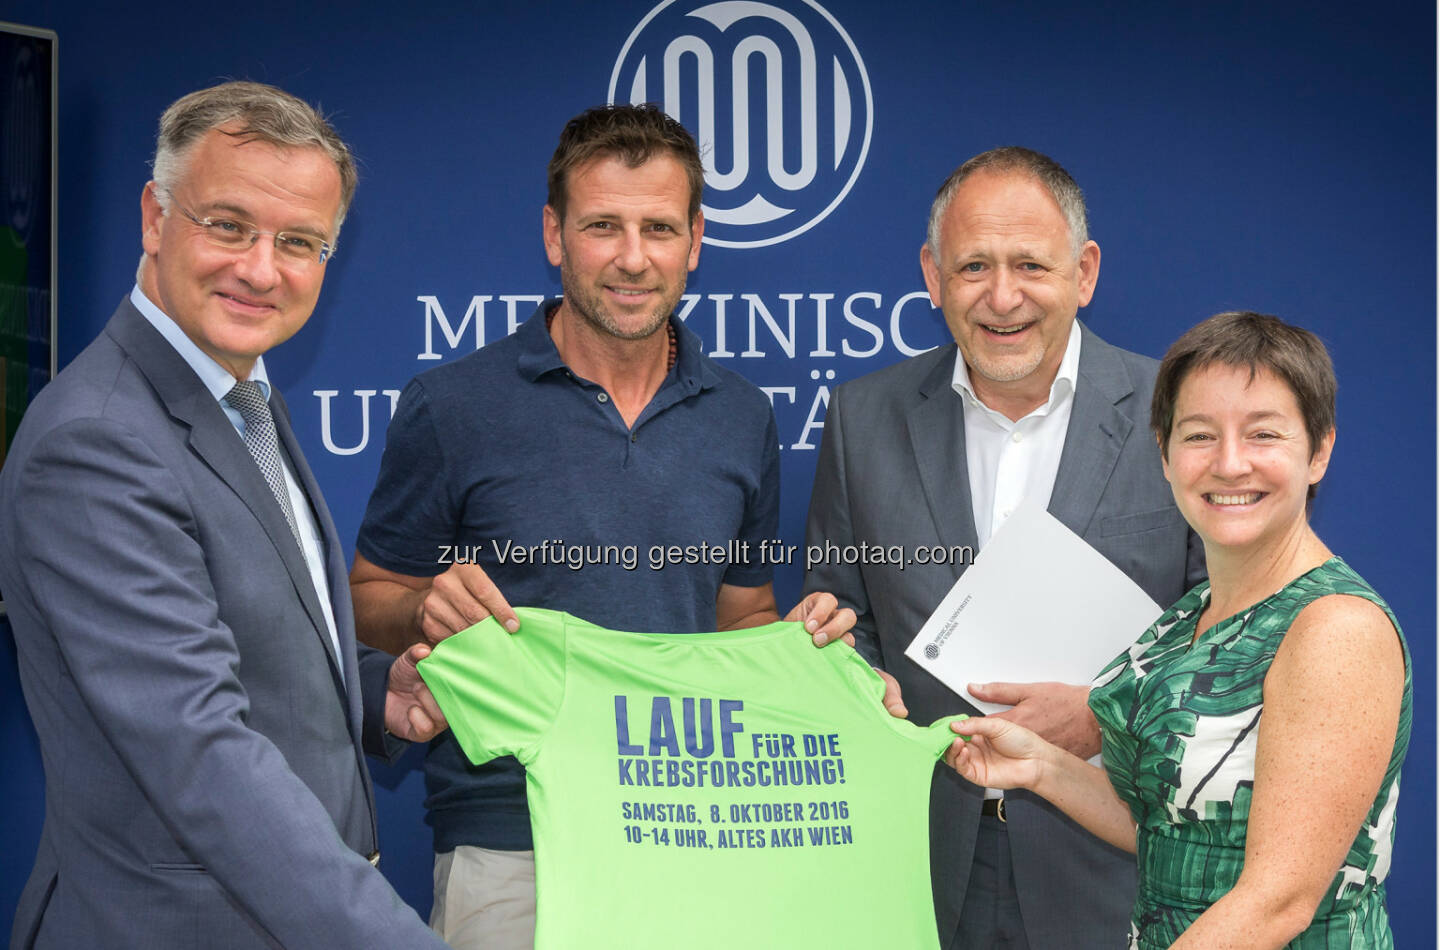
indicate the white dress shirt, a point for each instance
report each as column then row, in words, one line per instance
column 1010, row 462
column 219, row 382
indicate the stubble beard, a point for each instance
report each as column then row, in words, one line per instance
column 588, row 305
column 1003, row 368
column 1007, row 369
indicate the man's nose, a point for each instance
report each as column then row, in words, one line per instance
column 256, row 265
column 631, row 256
column 1005, row 292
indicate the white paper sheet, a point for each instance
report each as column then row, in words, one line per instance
column 1038, row 604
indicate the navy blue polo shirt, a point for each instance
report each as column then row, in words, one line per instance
column 506, row 459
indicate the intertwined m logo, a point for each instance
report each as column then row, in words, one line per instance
column 791, row 84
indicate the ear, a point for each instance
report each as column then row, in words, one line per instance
column 550, row 228
column 931, row 269
column 152, row 219
column 1164, row 461
column 1089, row 266
column 1320, row 458
column 697, row 231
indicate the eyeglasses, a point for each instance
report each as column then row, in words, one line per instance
column 233, row 235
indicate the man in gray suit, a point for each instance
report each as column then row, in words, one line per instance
column 939, row 451
column 177, row 590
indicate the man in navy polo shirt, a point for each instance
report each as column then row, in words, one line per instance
column 595, row 462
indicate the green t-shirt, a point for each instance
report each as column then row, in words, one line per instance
column 722, row 790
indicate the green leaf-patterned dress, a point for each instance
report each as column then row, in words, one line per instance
column 1179, row 726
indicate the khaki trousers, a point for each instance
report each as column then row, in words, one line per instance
column 484, row 899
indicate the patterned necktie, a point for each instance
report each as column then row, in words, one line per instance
column 247, row 399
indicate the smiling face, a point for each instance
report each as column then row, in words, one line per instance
column 1009, row 282
column 236, row 305
column 625, row 244
column 1238, row 459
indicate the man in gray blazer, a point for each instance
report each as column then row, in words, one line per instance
column 939, row 451
column 177, row 590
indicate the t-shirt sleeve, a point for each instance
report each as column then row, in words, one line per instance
column 762, row 516
column 500, row 691
column 413, row 512
column 938, row 736
column 934, row 738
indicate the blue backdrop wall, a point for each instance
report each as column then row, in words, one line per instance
column 1278, row 157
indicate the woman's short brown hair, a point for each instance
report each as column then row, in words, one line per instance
column 1257, row 341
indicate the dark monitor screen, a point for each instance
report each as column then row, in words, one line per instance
column 27, row 220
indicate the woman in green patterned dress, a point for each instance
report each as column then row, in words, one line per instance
column 1250, row 830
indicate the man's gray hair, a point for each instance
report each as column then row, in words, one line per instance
column 255, row 110
column 1015, row 160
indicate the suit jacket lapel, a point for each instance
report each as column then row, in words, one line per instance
column 1096, row 434
column 336, row 574
column 213, row 438
column 936, row 426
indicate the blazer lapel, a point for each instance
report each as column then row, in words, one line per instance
column 936, row 426
column 1096, row 434
column 336, row 573
column 214, row 439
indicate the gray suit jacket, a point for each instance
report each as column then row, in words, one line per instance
column 205, row 782
column 892, row 471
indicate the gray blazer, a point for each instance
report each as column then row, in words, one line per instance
column 205, row 782
column 892, row 471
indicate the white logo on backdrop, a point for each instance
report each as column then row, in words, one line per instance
column 794, row 146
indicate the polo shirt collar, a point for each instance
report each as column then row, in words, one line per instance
column 692, row 370
column 539, row 356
